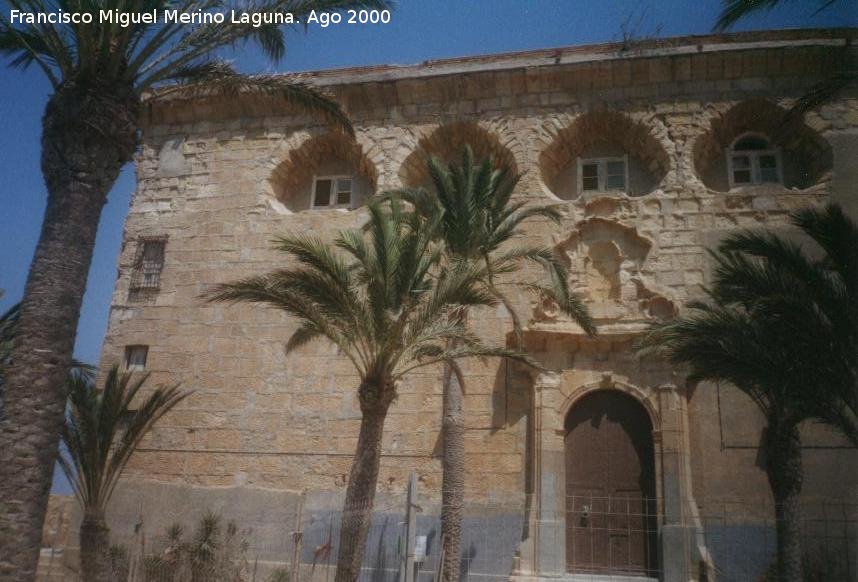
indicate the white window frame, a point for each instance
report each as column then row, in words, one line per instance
column 332, row 201
column 754, row 160
column 602, row 173
column 129, row 353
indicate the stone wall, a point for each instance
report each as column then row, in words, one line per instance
column 57, row 527
column 59, row 533
column 221, row 179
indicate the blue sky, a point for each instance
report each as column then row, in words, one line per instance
column 419, row 30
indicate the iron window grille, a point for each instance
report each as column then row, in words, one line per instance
column 148, row 264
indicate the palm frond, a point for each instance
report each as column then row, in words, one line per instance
column 307, row 295
column 8, row 325
column 380, row 294
column 219, row 78
column 777, row 324
column 103, row 429
column 836, row 234
column 820, row 94
column 302, row 336
column 175, row 59
column 473, row 351
column 477, row 219
column 569, row 303
column 24, row 47
column 735, row 10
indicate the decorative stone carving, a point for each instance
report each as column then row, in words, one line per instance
column 606, row 261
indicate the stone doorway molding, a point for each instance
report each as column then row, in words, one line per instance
column 682, row 553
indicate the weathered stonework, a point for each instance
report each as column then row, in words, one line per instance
column 220, row 179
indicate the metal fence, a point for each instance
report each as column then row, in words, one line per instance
column 591, row 538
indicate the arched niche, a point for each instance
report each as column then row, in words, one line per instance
column 603, row 136
column 803, row 155
column 321, row 157
column 447, row 144
column 610, row 382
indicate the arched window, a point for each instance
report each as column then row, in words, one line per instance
column 602, row 153
column 327, row 171
column 752, row 160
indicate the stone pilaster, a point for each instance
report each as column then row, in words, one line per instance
column 683, row 551
column 550, row 485
column 544, row 550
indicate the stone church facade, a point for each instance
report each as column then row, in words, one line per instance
column 653, row 151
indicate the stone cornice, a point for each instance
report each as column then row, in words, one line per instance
column 807, row 54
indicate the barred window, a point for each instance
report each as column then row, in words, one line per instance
column 148, row 265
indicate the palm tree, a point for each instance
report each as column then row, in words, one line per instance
column 8, row 332
column 99, row 73
column 479, row 222
column 385, row 301
column 782, row 328
column 102, row 430
column 8, row 324
column 736, row 10
column 844, row 75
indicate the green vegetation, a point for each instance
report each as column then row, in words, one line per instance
column 385, row 298
column 99, row 74
column 479, row 221
column 214, row 553
column 103, row 428
column 783, row 328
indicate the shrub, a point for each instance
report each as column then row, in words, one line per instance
column 213, row 554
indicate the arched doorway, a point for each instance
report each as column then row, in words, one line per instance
column 610, row 486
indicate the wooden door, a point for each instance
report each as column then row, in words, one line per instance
column 610, row 486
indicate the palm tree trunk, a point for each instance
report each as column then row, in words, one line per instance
column 784, row 470
column 453, row 480
column 360, row 493
column 453, row 465
column 87, row 138
column 95, row 548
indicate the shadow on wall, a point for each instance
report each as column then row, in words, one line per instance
column 744, row 551
column 323, row 155
column 447, row 144
column 603, row 134
column 143, row 512
column 489, row 540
